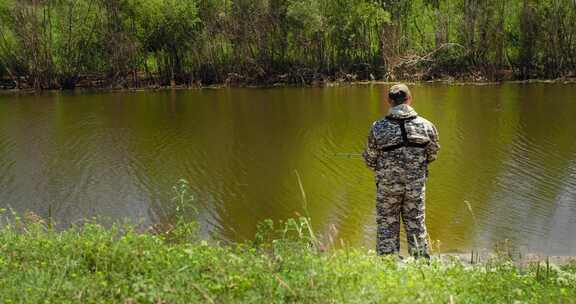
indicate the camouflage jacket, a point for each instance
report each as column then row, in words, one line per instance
column 401, row 145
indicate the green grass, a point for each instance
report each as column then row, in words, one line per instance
column 119, row 265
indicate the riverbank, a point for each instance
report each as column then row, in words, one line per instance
column 119, row 265
column 329, row 83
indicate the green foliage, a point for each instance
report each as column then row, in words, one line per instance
column 336, row 36
column 306, row 15
column 73, row 38
column 165, row 24
column 49, row 44
column 64, row 43
column 93, row 264
column 183, row 215
column 167, row 29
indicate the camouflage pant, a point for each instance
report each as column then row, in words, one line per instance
column 406, row 201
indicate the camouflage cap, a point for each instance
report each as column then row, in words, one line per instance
column 399, row 92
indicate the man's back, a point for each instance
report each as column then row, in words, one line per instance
column 401, row 145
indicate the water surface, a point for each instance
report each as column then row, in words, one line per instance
column 508, row 151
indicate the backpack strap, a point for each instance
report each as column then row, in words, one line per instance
column 405, row 141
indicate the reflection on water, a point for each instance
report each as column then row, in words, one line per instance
column 508, row 150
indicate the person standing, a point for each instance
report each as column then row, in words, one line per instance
column 400, row 147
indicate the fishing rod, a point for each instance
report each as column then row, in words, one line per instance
column 348, row 155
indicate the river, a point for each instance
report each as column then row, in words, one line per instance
column 506, row 171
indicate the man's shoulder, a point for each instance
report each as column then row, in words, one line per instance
column 381, row 121
column 385, row 123
column 424, row 121
column 380, row 124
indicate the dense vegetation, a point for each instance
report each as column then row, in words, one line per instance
column 65, row 43
column 93, row 264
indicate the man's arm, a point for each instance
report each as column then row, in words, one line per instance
column 371, row 154
column 434, row 145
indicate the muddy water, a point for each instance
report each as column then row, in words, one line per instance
column 508, row 152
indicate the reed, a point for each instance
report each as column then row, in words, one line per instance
column 306, row 220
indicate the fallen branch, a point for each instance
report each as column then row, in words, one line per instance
column 417, row 59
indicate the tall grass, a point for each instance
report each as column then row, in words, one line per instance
column 94, row 264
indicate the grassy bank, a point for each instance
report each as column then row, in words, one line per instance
column 119, row 265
